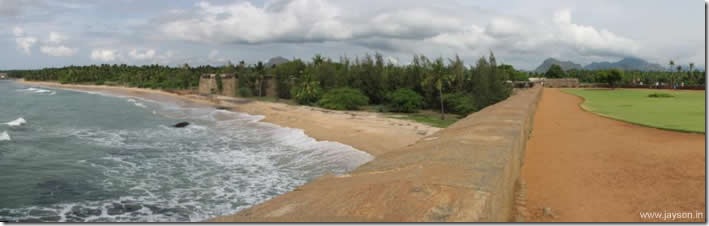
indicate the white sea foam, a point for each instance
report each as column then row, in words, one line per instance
column 17, row 122
column 221, row 163
column 4, row 136
column 39, row 91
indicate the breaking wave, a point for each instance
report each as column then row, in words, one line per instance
column 17, row 122
column 4, row 136
column 39, row 91
column 221, row 163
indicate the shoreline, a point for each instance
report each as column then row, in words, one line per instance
column 369, row 132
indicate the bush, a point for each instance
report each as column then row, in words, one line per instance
column 404, row 100
column 459, row 103
column 307, row 93
column 659, row 95
column 245, row 92
column 343, row 99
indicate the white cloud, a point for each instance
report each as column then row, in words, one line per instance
column 105, row 55
column 301, row 21
column 136, row 54
column 58, row 50
column 18, row 31
column 588, row 40
column 473, row 37
column 412, row 23
column 26, row 43
column 23, row 41
column 56, row 38
column 246, row 23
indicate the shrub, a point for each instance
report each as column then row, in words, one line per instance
column 404, row 100
column 307, row 93
column 245, row 92
column 659, row 95
column 343, row 99
column 459, row 103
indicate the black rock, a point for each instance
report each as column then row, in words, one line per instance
column 181, row 124
column 130, row 207
column 116, row 209
column 83, row 212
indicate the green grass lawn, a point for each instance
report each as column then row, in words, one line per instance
column 683, row 112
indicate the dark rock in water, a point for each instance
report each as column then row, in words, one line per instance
column 223, row 108
column 116, row 209
column 82, row 212
column 177, row 211
column 130, row 207
column 181, row 124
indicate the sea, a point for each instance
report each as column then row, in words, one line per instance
column 79, row 156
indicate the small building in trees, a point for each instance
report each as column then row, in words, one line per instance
column 561, row 82
column 3, row 76
column 209, row 85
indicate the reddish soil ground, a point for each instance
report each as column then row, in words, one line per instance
column 585, row 167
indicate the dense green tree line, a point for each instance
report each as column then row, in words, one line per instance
column 677, row 76
column 440, row 83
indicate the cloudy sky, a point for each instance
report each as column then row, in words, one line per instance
column 48, row 33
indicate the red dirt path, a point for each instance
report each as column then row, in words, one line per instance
column 589, row 168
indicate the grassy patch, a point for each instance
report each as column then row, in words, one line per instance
column 427, row 117
column 659, row 95
column 683, row 112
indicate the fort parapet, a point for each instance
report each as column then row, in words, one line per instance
column 468, row 172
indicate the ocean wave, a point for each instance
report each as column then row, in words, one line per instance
column 39, row 91
column 17, row 122
column 4, row 136
column 221, row 163
column 141, row 105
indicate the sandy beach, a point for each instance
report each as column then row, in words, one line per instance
column 371, row 132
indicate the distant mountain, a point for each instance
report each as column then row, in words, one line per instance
column 276, row 61
column 628, row 64
column 566, row 65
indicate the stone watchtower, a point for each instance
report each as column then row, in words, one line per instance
column 230, row 85
column 208, row 84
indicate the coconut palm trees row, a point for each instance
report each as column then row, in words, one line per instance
column 679, row 70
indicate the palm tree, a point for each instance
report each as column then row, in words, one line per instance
column 672, row 79
column 691, row 72
column 437, row 77
column 260, row 70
